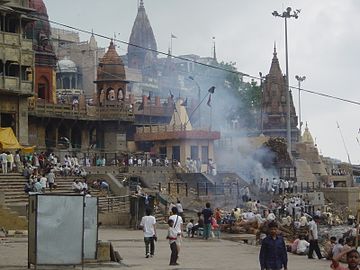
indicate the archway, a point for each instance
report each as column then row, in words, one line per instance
column 63, row 137
column 76, row 137
column 121, row 94
column 43, row 88
column 50, row 136
column 110, row 94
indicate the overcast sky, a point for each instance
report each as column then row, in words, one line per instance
column 323, row 45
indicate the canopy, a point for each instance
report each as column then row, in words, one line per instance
column 8, row 139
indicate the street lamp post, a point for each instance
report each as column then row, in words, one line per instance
column 262, row 104
column 300, row 79
column 287, row 14
column 199, row 97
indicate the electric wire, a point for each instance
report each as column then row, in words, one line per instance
column 242, row 74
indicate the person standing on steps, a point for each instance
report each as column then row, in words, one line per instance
column 180, row 209
column 148, row 224
column 207, row 214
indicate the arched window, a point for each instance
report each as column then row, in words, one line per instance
column 43, row 88
column 121, row 96
column 110, row 94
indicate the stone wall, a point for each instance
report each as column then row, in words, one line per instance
column 347, row 196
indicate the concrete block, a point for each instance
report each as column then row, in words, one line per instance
column 103, row 251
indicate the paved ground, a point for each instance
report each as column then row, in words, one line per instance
column 195, row 254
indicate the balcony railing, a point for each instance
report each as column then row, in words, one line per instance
column 15, row 39
column 41, row 108
column 11, row 84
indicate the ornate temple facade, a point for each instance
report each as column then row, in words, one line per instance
column 111, row 78
column 274, row 107
column 45, row 58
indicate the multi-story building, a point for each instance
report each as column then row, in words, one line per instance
column 16, row 67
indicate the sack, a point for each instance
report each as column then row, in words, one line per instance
column 155, row 238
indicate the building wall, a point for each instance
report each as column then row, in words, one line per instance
column 185, row 148
column 347, row 196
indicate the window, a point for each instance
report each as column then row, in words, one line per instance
column 194, row 149
column 204, row 154
column 176, row 152
column 42, row 91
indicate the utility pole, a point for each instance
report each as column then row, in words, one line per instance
column 287, row 14
column 300, row 79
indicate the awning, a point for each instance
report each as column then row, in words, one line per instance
column 8, row 140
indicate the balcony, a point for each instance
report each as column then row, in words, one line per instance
column 11, row 85
column 15, row 40
column 40, row 108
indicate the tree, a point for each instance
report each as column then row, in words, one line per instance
column 248, row 95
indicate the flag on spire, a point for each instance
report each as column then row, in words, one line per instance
column 173, row 36
column 209, row 101
column 184, row 103
column 171, row 95
column 212, row 90
column 149, row 96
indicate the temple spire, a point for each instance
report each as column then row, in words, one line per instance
column 275, row 53
column 214, row 52
column 141, row 4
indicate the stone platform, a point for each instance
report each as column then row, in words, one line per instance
column 195, row 254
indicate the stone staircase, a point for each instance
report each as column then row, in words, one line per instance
column 12, row 187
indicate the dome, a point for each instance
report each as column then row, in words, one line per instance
column 66, row 65
column 39, row 6
column 111, row 67
column 306, row 137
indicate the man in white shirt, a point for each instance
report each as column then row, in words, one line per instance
column 3, row 160
column 43, row 181
column 148, row 224
column 303, row 246
column 313, row 237
column 51, row 179
column 178, row 222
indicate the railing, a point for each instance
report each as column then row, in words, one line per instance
column 42, row 108
column 12, row 84
column 115, row 204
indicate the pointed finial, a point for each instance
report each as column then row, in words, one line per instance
column 306, row 124
column 214, row 53
column 111, row 44
column 92, row 31
column 275, row 53
column 141, row 3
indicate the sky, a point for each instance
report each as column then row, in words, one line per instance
column 323, row 45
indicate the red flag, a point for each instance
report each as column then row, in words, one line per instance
column 209, row 101
column 184, row 103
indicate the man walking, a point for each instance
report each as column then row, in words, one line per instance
column 178, row 223
column 313, row 237
column 273, row 255
column 148, row 224
column 207, row 214
column 3, row 160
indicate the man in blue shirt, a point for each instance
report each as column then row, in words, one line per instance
column 207, row 214
column 273, row 255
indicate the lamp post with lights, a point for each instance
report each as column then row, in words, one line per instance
column 300, row 79
column 287, row 14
